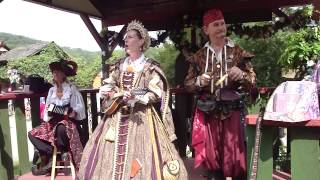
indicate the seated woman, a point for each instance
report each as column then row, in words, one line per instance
column 59, row 129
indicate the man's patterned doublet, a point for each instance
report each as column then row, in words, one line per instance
column 236, row 56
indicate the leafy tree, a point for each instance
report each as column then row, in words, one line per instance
column 166, row 55
column 38, row 64
column 267, row 53
column 88, row 62
column 82, row 54
column 13, row 41
column 301, row 46
column 87, row 72
column 286, row 44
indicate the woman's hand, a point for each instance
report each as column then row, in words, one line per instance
column 107, row 94
column 127, row 96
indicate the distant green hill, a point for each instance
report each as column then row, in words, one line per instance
column 90, row 62
column 13, row 41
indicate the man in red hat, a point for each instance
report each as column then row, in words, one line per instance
column 217, row 73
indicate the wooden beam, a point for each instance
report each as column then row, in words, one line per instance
column 129, row 5
column 177, row 9
column 316, row 10
column 54, row 6
column 114, row 44
column 121, row 12
column 101, row 42
column 280, row 13
column 104, row 46
column 234, row 6
column 146, row 12
column 98, row 5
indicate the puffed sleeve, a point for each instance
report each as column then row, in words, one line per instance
column 192, row 80
column 77, row 104
column 46, row 118
column 155, row 85
column 110, row 83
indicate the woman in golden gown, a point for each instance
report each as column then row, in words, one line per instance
column 134, row 142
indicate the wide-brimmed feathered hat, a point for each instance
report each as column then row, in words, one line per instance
column 138, row 26
column 69, row 68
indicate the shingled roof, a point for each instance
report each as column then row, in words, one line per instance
column 24, row 51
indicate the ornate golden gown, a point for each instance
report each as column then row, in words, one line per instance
column 134, row 144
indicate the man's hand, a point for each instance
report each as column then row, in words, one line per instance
column 235, row 74
column 205, row 79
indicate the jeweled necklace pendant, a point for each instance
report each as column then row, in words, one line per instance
column 130, row 68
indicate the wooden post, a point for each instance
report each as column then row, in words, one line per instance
column 85, row 124
column 305, row 153
column 93, row 99
column 265, row 164
column 6, row 162
column 305, row 150
column 316, row 10
column 35, row 111
column 105, row 55
column 21, row 125
column 103, row 44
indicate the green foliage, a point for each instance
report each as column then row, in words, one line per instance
column 78, row 53
column 302, row 46
column 38, row 64
column 116, row 55
column 166, row 55
column 267, row 53
column 13, row 41
column 296, row 18
column 277, row 44
column 88, row 62
column 281, row 45
column 3, row 74
column 282, row 162
column 87, row 71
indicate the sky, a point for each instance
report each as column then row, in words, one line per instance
column 47, row 24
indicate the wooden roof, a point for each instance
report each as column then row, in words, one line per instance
column 163, row 13
column 24, row 51
column 3, row 47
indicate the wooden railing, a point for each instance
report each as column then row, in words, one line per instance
column 305, row 151
column 6, row 157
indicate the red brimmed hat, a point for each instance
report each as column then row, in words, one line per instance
column 69, row 68
column 212, row 15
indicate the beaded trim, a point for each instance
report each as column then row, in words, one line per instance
column 117, row 131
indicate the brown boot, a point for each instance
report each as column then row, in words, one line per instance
column 36, row 171
column 44, row 167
